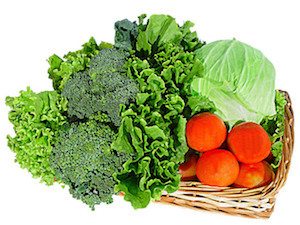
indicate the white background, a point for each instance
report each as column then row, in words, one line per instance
column 30, row 31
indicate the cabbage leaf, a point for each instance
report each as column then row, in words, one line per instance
column 238, row 79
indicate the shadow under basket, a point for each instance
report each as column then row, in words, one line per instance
column 255, row 203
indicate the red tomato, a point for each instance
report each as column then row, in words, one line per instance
column 269, row 175
column 249, row 142
column 250, row 175
column 188, row 168
column 254, row 175
column 217, row 167
column 205, row 131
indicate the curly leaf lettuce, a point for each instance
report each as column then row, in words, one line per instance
column 153, row 127
column 160, row 29
column 274, row 125
column 37, row 119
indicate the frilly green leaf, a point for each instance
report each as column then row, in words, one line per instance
column 37, row 119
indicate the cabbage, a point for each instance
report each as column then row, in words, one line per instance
column 238, row 79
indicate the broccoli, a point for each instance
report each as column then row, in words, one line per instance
column 108, row 61
column 83, row 160
column 82, row 102
column 60, row 70
column 101, row 88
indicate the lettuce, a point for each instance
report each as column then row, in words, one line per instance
column 153, row 130
column 238, row 79
column 274, row 125
column 160, row 29
column 37, row 119
column 153, row 127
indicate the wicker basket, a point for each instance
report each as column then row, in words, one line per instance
column 255, row 203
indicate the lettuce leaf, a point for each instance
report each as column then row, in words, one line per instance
column 274, row 125
column 153, row 127
column 160, row 29
column 200, row 103
column 154, row 132
column 231, row 71
column 37, row 119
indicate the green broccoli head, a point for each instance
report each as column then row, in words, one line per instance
column 82, row 102
column 82, row 159
column 101, row 88
column 107, row 61
column 61, row 69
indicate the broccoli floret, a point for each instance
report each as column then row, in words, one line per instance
column 107, row 61
column 61, row 70
column 101, row 88
column 82, row 102
column 83, row 160
column 114, row 89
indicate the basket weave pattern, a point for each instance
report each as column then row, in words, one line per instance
column 256, row 203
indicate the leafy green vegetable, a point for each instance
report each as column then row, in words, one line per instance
column 190, row 40
column 199, row 103
column 100, row 88
column 116, row 120
column 160, row 29
column 126, row 33
column 61, row 70
column 231, row 71
column 163, row 29
column 37, row 118
column 153, row 127
column 274, row 125
column 82, row 158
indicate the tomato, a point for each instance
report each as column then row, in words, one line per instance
column 205, row 131
column 254, row 175
column 250, row 175
column 249, row 142
column 269, row 175
column 217, row 167
column 188, row 168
